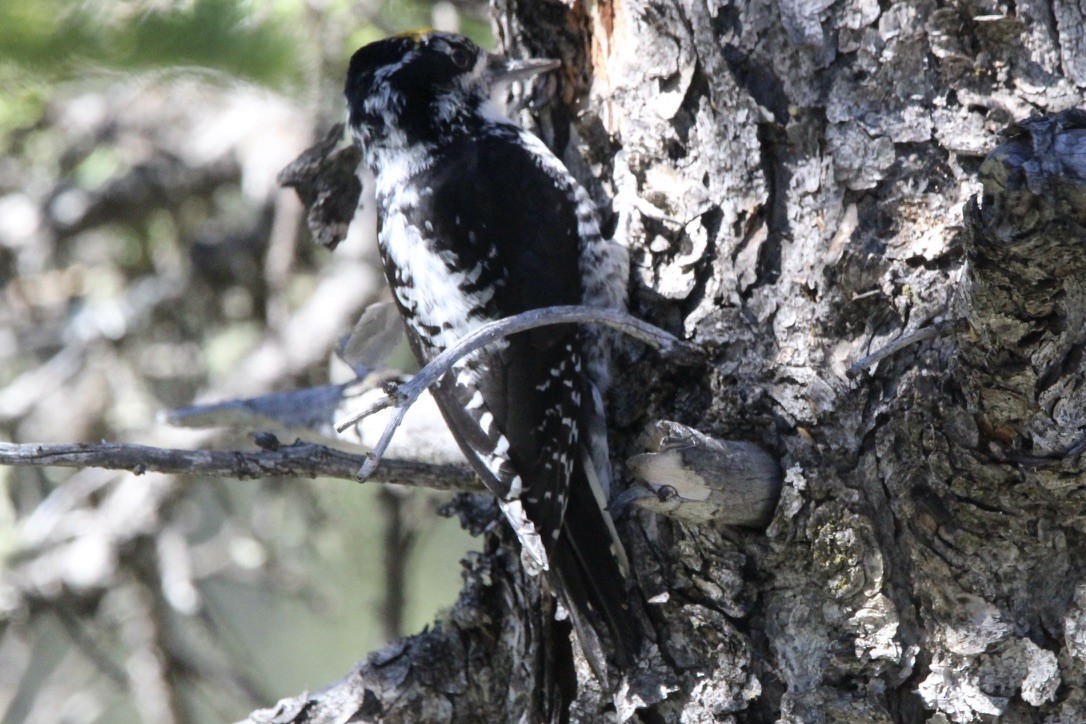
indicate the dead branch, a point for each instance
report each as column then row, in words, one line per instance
column 300, row 460
column 682, row 352
column 947, row 326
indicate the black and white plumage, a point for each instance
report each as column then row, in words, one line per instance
column 478, row 220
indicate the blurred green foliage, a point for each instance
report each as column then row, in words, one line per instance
column 59, row 39
column 43, row 42
column 254, row 41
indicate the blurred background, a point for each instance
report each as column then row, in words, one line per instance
column 148, row 260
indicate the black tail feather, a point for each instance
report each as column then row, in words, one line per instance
column 559, row 687
column 585, row 564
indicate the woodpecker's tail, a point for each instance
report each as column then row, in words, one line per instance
column 588, row 566
column 559, row 675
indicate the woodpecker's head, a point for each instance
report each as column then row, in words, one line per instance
column 421, row 88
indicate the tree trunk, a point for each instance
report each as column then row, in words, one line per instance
column 801, row 184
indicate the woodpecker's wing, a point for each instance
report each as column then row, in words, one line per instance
column 524, row 410
column 492, row 211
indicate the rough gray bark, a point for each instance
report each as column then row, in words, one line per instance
column 796, row 182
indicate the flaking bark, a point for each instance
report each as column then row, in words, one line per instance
column 790, row 178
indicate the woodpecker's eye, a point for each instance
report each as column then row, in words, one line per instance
column 462, row 58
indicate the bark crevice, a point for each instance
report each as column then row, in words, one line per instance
column 925, row 557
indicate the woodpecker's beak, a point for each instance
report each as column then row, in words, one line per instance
column 501, row 70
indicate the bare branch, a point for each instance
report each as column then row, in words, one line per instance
column 947, row 326
column 91, row 648
column 399, row 539
column 312, row 408
column 682, row 352
column 301, row 460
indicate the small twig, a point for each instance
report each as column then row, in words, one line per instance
column 651, row 212
column 684, row 353
column 1032, row 461
column 91, row 648
column 399, row 542
column 935, row 330
column 300, row 460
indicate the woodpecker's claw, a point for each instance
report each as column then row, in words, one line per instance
column 622, row 501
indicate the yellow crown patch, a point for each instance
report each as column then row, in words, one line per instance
column 419, row 35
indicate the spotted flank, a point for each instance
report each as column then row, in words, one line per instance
column 525, row 444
